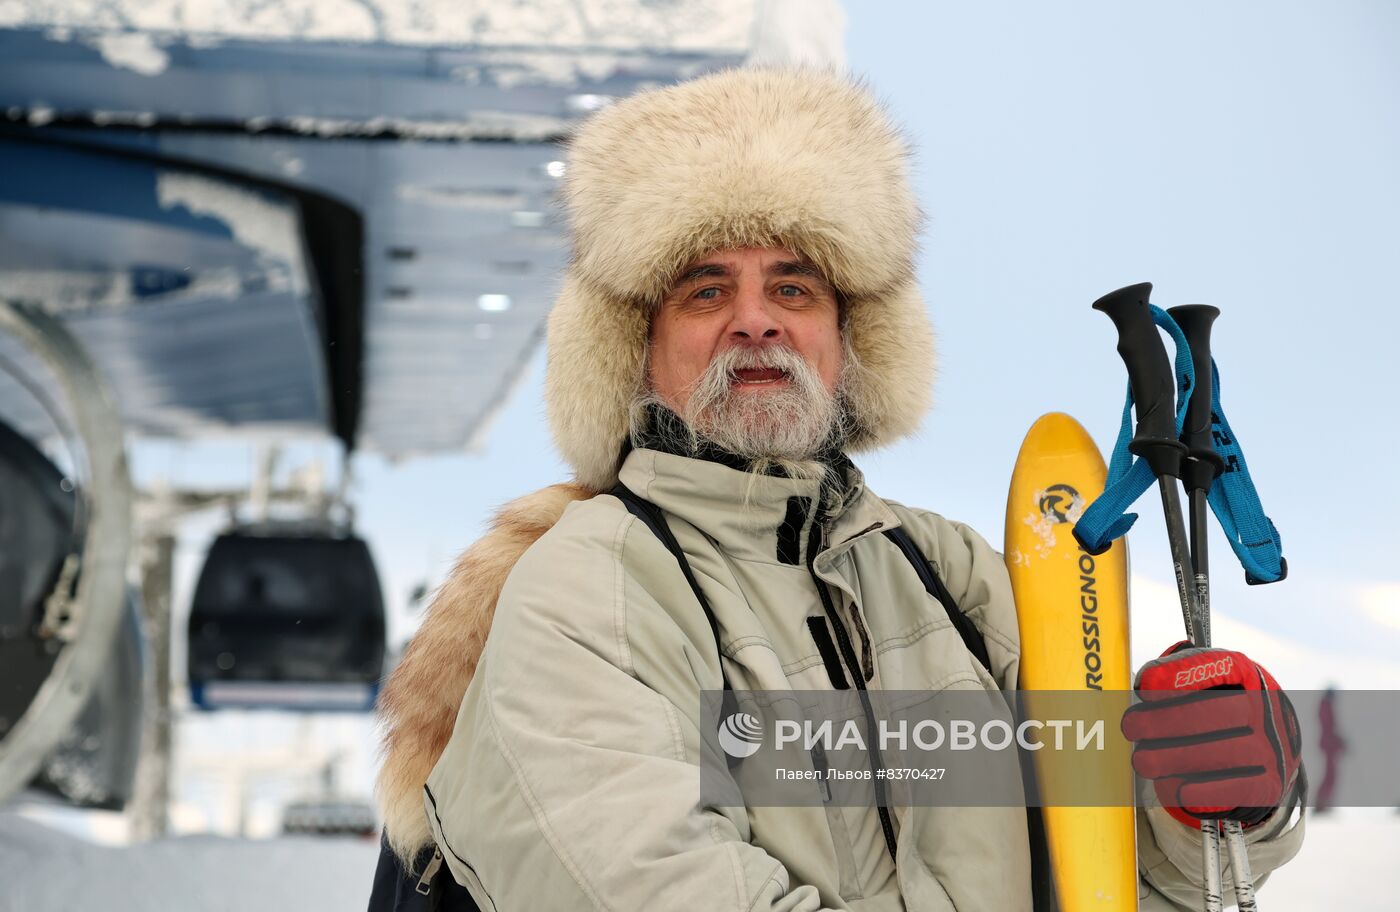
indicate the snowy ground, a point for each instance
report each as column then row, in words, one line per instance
column 1348, row 860
column 43, row 870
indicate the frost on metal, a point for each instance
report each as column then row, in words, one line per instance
column 134, row 51
column 675, row 25
column 501, row 43
column 40, row 114
column 256, row 222
column 479, row 124
column 539, row 66
column 91, row 290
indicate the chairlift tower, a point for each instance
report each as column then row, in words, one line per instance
column 159, row 511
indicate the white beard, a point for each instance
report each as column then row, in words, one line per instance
column 787, row 427
column 788, row 424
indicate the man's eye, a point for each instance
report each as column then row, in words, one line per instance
column 791, row 291
column 706, row 294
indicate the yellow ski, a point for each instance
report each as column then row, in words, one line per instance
column 1073, row 612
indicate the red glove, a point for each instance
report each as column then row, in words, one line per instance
column 1215, row 733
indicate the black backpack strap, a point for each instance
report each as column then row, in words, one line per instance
column 1042, row 883
column 971, row 636
column 652, row 517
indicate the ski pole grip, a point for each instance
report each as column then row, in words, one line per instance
column 1150, row 376
column 1203, row 463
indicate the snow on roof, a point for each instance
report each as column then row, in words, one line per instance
column 133, row 34
column 681, row 25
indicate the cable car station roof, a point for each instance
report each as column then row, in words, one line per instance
column 287, row 224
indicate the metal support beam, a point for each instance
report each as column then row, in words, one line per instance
column 150, row 807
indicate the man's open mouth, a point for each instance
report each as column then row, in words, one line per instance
column 758, row 376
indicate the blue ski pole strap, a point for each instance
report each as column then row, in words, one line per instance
column 1235, row 503
column 1128, row 477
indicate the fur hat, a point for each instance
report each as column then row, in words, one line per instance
column 742, row 158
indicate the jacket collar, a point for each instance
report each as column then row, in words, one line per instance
column 755, row 517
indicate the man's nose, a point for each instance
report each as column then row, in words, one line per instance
column 754, row 317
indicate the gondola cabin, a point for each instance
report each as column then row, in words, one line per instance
column 286, row 621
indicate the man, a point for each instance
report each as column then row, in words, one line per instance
column 740, row 314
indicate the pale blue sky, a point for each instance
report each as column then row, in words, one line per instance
column 1240, row 154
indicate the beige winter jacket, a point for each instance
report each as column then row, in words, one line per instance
column 571, row 779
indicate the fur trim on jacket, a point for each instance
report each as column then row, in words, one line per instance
column 742, row 158
column 419, row 704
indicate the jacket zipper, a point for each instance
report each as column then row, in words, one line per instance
column 848, row 655
column 425, row 883
column 867, row 661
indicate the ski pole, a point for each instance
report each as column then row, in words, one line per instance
column 1155, row 439
column 1199, row 472
column 1202, row 464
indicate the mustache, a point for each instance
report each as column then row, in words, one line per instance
column 726, row 365
column 788, row 423
column 783, row 426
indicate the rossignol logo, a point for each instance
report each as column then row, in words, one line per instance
column 1089, row 621
column 740, row 735
column 1058, row 503
column 1200, row 673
